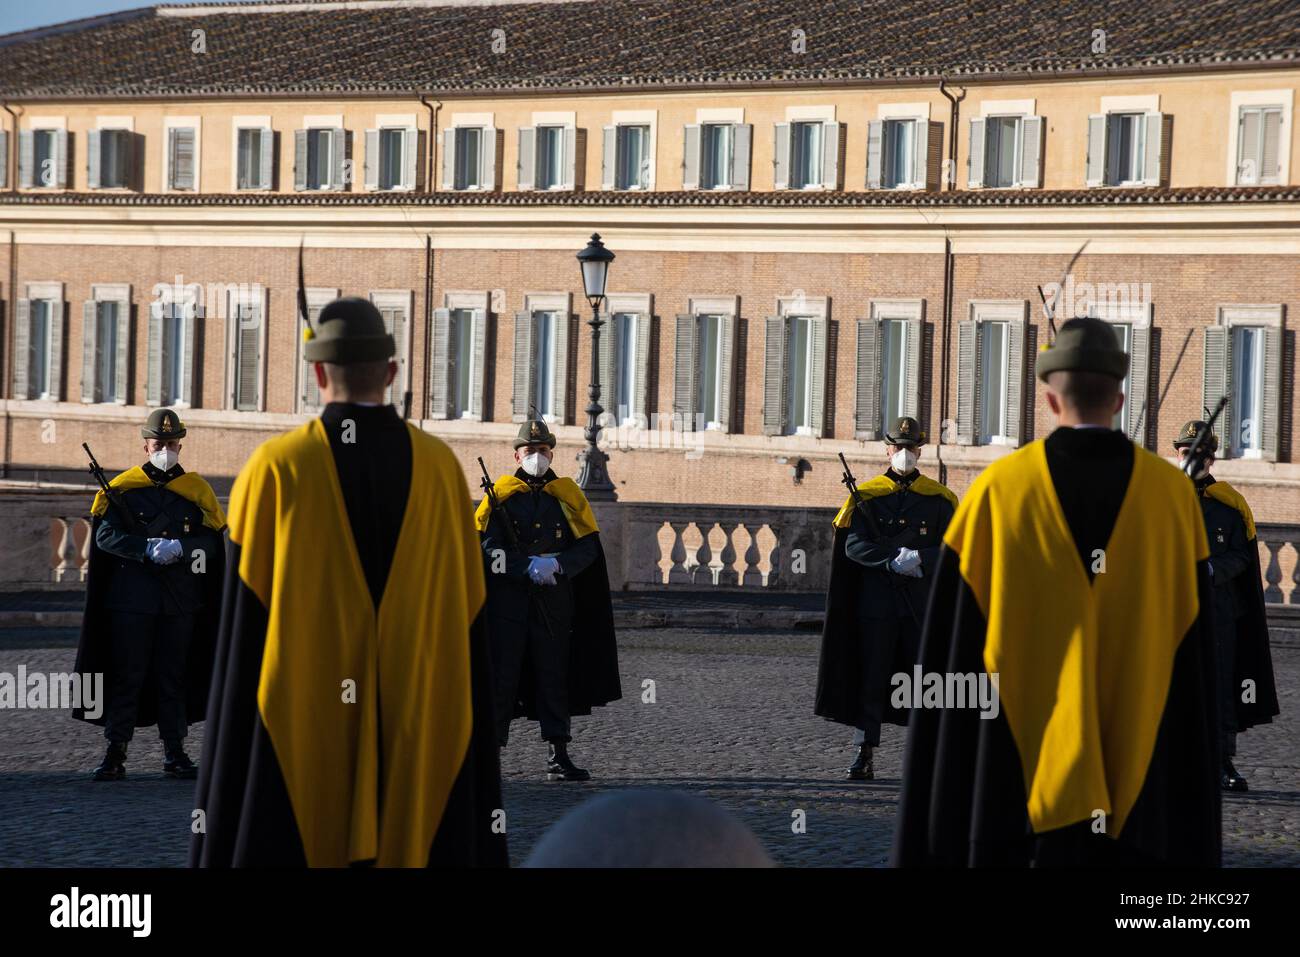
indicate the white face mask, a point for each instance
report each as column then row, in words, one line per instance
column 164, row 459
column 536, row 463
column 903, row 461
column 1203, row 471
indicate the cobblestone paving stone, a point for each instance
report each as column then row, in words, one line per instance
column 731, row 722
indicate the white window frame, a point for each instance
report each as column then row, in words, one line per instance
column 1254, row 98
column 648, row 118
column 633, row 304
column 123, row 124
column 478, row 302
column 404, row 300
column 559, row 303
column 1232, row 317
column 1006, row 312
column 190, row 298
column 814, row 309
column 120, row 293
column 1018, row 152
column 50, row 292
column 182, row 122
column 262, row 124
column 725, row 308
column 317, row 298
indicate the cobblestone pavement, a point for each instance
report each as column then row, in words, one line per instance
column 731, row 722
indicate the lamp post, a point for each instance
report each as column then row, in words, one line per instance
column 593, row 476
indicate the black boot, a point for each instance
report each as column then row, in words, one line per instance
column 861, row 769
column 1230, row 779
column 176, row 763
column 560, row 768
column 113, row 767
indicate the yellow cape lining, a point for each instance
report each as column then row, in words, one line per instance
column 1083, row 668
column 1225, row 493
column 884, row 485
column 573, row 503
column 188, row 485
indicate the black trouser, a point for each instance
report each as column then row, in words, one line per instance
column 139, row 640
column 1228, row 691
column 888, row 644
column 548, row 656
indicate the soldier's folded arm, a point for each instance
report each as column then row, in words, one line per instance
column 114, row 539
column 863, row 549
column 205, row 540
column 575, row 559
column 494, row 540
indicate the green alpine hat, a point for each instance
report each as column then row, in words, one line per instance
column 349, row 330
column 163, row 424
column 534, row 432
column 906, row 433
column 1087, row 345
column 1187, row 435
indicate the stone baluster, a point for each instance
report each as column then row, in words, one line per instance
column 85, row 550
column 677, row 572
column 774, row 577
column 67, row 551
column 751, row 575
column 726, row 573
column 1273, row 573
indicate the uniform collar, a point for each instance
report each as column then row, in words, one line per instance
column 535, row 482
column 158, row 476
column 903, row 481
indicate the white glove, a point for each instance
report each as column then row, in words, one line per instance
column 542, row 570
column 175, row 549
column 159, row 551
column 906, row 562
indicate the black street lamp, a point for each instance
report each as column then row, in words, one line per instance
column 593, row 475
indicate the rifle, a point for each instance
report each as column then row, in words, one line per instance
column 860, row 505
column 512, row 539
column 1195, row 458
column 115, row 499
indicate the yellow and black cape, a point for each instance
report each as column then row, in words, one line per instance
column 340, row 733
column 1252, row 660
column 1108, row 721
column 593, row 654
column 840, row 690
column 95, row 644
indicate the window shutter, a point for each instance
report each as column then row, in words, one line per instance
column 1031, row 153
column 1095, row 171
column 820, row 345
column 1139, row 378
column 1156, row 172
column 449, row 159
column 56, row 350
column 560, row 394
column 62, row 159
column 866, row 407
column 413, row 144
column 395, row 320
column 726, row 370
column 608, row 355
column 299, row 159
column 90, row 385
column 685, row 370
column 341, row 152
column 122, row 358
column 190, row 312
column 967, row 378
column 371, row 169
column 774, row 385
column 934, row 154
column 309, row 397
column 93, row 138
column 742, row 140
column 609, row 157
column 22, row 349
column 832, row 154
column 1248, row 148
column 571, row 172
column 921, row 158
column 1272, row 399
column 26, row 158
column 478, row 396
column 875, row 153
column 527, row 165
column 781, row 157
column 1270, row 167
column 491, row 156
column 127, row 157
column 248, row 335
column 525, row 367
column 975, row 161
column 1216, row 371
column 182, row 157
column 266, row 162
column 4, row 159
column 641, row 376
column 154, row 373
column 691, row 157
column 441, row 375
column 1015, row 380
column 913, row 399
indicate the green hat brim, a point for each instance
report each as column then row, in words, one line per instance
column 155, row 434
column 346, row 350
column 1082, row 359
column 547, row 440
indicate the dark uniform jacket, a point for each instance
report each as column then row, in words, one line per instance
column 543, row 530
column 135, row 583
column 905, row 519
column 1230, row 557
